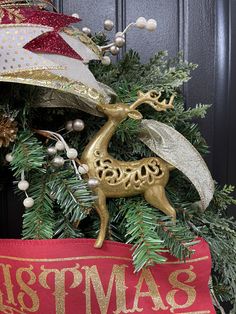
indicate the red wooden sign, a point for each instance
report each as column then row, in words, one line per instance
column 71, row 277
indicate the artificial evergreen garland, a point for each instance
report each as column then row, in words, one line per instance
column 63, row 203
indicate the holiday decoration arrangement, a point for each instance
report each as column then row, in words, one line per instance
column 106, row 150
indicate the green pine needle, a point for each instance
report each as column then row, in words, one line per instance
column 28, row 154
column 65, row 229
column 151, row 233
column 141, row 232
column 176, row 236
column 38, row 221
column 72, row 195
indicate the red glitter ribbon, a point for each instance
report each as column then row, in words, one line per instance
column 71, row 276
column 40, row 17
column 50, row 42
column 45, row 18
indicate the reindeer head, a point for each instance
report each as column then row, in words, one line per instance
column 121, row 111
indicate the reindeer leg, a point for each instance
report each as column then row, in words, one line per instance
column 156, row 197
column 102, row 211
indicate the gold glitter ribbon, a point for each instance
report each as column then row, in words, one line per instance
column 50, row 98
column 74, row 32
column 62, row 92
column 174, row 148
column 17, row 3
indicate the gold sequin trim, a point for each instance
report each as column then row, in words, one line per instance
column 25, row 3
column 50, row 80
column 196, row 312
column 92, row 257
column 25, row 25
column 84, row 39
column 14, row 73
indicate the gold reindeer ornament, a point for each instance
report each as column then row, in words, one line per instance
column 117, row 178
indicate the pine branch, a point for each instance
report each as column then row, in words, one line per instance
column 177, row 237
column 223, row 198
column 221, row 290
column 141, row 225
column 28, row 154
column 199, row 111
column 91, row 225
column 72, row 195
column 117, row 225
column 127, row 130
column 151, row 232
column 100, row 39
column 65, row 229
column 129, row 75
column 220, row 233
column 166, row 74
column 38, row 221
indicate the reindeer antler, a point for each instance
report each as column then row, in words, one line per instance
column 152, row 98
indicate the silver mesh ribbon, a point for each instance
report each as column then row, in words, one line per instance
column 174, row 148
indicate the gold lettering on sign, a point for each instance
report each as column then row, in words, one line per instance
column 189, row 290
column 153, row 292
column 60, row 289
column 103, row 299
column 27, row 291
column 1, row 301
column 8, row 283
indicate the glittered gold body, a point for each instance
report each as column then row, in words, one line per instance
column 147, row 176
